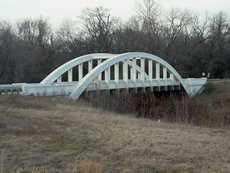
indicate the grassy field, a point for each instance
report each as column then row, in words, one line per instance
column 49, row 135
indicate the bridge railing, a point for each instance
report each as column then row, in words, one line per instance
column 11, row 89
column 65, row 88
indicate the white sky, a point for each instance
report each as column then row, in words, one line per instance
column 57, row 10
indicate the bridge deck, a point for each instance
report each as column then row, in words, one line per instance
column 66, row 88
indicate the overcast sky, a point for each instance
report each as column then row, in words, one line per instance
column 57, row 10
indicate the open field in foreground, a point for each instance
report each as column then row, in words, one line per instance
column 64, row 136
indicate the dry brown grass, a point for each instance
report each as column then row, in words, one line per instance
column 211, row 109
column 39, row 170
column 61, row 135
column 88, row 166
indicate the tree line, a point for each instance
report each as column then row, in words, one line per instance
column 31, row 49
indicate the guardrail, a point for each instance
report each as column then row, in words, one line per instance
column 195, row 86
column 65, row 89
column 13, row 89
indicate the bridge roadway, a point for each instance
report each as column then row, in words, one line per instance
column 65, row 88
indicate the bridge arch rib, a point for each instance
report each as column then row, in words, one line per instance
column 112, row 60
column 52, row 77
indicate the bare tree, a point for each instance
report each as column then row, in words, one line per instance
column 148, row 11
column 27, row 31
column 6, row 64
column 44, row 32
column 178, row 22
column 30, row 50
column 217, row 50
column 149, row 14
column 66, row 36
column 200, row 28
column 36, row 32
column 98, row 26
column 70, row 41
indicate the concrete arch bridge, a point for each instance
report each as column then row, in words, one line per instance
column 101, row 71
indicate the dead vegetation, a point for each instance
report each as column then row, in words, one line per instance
column 49, row 135
column 211, row 109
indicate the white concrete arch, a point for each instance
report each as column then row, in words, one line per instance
column 52, row 77
column 136, row 72
column 85, row 82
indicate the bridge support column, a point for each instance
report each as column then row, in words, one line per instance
column 80, row 72
column 165, row 76
column 165, row 73
column 133, row 71
column 100, row 75
column 107, row 75
column 157, row 71
column 59, row 80
column 125, row 71
column 90, row 65
column 143, row 69
column 150, row 69
column 172, row 76
column 70, row 75
column 116, row 71
column 138, row 76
